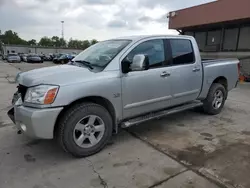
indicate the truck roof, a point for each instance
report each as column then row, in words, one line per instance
column 140, row 37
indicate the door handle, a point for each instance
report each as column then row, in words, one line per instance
column 165, row 74
column 196, row 69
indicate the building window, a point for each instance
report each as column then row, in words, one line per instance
column 213, row 37
column 189, row 33
column 201, row 40
column 244, row 40
column 230, row 39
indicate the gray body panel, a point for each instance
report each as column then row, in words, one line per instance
column 141, row 94
column 227, row 68
column 134, row 93
column 39, row 122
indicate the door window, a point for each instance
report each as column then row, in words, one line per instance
column 182, row 51
column 154, row 49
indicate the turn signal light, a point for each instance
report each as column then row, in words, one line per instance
column 50, row 96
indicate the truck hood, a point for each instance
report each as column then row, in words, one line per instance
column 58, row 75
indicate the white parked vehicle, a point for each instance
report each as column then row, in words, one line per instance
column 13, row 58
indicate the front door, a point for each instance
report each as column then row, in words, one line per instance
column 186, row 73
column 149, row 90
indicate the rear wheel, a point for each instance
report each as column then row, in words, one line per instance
column 85, row 129
column 215, row 100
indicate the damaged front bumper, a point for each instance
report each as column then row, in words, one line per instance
column 34, row 122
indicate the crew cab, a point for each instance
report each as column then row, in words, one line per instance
column 119, row 83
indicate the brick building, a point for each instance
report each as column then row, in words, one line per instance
column 221, row 28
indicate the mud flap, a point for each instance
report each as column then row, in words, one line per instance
column 11, row 114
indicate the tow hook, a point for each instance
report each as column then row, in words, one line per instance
column 19, row 132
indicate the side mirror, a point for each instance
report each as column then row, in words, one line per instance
column 140, row 62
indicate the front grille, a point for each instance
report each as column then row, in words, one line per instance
column 22, row 90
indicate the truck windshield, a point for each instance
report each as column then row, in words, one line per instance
column 101, row 53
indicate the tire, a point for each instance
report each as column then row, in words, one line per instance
column 67, row 129
column 211, row 105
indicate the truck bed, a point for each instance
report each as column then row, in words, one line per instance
column 225, row 68
column 217, row 60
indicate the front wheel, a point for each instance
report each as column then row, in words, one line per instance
column 215, row 100
column 85, row 129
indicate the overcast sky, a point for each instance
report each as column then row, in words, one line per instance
column 88, row 19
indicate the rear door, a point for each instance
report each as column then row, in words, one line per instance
column 186, row 72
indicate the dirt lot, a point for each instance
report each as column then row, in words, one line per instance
column 218, row 146
column 184, row 150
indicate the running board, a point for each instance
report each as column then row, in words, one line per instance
column 159, row 114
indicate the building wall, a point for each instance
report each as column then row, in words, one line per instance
column 14, row 49
column 227, row 37
column 214, row 12
column 37, row 50
column 239, row 55
column 69, row 51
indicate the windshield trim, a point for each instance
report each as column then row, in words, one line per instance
column 103, row 67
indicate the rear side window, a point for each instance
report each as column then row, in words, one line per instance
column 182, row 51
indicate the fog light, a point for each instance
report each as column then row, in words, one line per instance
column 23, row 127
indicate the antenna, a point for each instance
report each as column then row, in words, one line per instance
column 62, row 29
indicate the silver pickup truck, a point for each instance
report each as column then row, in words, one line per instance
column 118, row 83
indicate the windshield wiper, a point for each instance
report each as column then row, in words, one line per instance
column 86, row 63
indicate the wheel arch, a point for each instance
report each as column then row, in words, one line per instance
column 223, row 81
column 93, row 99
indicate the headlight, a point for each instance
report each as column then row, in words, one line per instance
column 42, row 94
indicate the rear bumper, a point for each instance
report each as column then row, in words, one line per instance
column 57, row 61
column 34, row 61
column 35, row 123
column 14, row 61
